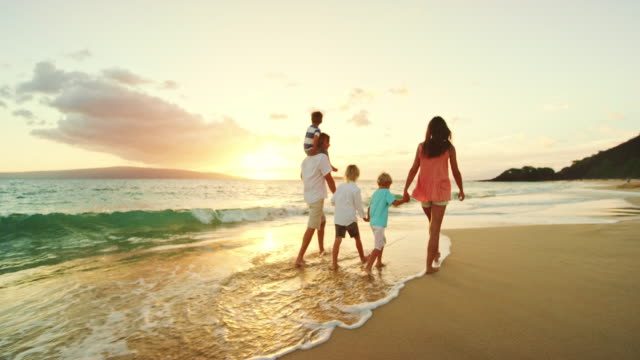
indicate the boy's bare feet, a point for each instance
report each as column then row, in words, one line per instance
column 432, row 270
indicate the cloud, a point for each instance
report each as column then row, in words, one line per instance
column 278, row 116
column 547, row 142
column 23, row 113
column 616, row 116
column 49, row 80
column 169, row 85
column 608, row 131
column 360, row 119
column 399, row 91
column 556, row 106
column 357, row 96
column 30, row 118
column 105, row 116
column 5, row 92
column 125, row 76
column 80, row 55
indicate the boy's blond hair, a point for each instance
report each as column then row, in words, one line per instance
column 352, row 173
column 384, row 179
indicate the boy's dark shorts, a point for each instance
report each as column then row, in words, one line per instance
column 352, row 229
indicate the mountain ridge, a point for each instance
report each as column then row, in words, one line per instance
column 117, row 172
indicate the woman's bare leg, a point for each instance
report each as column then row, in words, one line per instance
column 427, row 211
column 437, row 214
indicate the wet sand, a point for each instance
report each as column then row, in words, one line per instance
column 525, row 292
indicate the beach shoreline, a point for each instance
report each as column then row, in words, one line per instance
column 514, row 292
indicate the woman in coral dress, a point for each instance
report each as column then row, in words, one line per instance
column 433, row 189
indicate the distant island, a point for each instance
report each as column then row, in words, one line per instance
column 118, row 172
column 620, row 162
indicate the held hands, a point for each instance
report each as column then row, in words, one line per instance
column 406, row 197
column 366, row 219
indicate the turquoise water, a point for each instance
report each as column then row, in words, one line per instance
column 150, row 268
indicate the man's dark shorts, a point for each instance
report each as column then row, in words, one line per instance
column 352, row 229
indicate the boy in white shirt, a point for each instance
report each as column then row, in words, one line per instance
column 348, row 202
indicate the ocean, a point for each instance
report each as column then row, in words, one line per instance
column 126, row 269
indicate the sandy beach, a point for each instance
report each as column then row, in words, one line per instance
column 522, row 292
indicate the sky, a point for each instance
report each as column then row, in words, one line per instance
column 229, row 86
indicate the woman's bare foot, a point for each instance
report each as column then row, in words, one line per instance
column 334, row 267
column 432, row 270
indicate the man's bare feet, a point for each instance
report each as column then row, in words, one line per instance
column 432, row 270
column 380, row 265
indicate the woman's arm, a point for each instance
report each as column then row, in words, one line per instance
column 456, row 172
column 412, row 173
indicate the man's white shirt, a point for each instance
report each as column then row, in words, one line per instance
column 314, row 169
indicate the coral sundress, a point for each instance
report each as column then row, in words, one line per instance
column 433, row 178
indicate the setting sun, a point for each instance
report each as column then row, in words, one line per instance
column 268, row 163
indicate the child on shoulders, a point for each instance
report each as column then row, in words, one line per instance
column 312, row 135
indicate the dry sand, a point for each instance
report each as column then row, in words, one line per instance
column 528, row 292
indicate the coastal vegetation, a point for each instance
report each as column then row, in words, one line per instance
column 619, row 162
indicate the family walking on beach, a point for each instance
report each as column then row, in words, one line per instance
column 433, row 190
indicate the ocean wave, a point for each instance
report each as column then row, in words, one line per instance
column 134, row 222
column 29, row 240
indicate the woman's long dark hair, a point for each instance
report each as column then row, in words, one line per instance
column 438, row 138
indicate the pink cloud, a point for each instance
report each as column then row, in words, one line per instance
column 49, row 80
column 125, row 76
column 80, row 55
column 105, row 116
column 278, row 116
column 360, row 119
column 357, row 96
column 399, row 91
